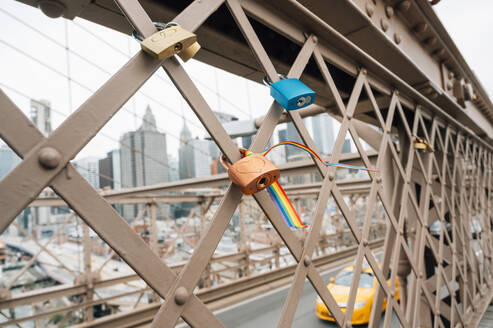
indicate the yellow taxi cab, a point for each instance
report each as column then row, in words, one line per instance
column 339, row 288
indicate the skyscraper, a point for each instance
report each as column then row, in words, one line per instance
column 110, row 170
column 323, row 133
column 88, row 167
column 201, row 157
column 246, row 141
column 293, row 154
column 214, row 151
column 8, row 160
column 185, row 154
column 346, row 146
column 41, row 115
column 144, row 158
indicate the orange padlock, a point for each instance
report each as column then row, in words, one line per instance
column 252, row 173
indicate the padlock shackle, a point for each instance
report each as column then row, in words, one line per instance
column 158, row 25
column 226, row 163
column 268, row 82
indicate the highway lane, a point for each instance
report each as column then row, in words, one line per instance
column 265, row 310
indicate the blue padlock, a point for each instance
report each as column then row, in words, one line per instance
column 292, row 94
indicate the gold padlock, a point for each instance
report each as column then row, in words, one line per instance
column 189, row 52
column 168, row 42
column 421, row 144
column 252, row 173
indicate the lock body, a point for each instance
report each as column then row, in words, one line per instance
column 292, row 94
column 189, row 52
column 253, row 173
column 168, row 42
column 421, row 144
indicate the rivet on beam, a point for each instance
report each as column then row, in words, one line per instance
column 307, row 261
column 389, row 11
column 421, row 28
column 384, row 24
column 432, row 41
column 181, row 295
column 49, row 157
column 364, row 242
column 369, row 9
column 404, row 5
column 439, row 52
column 397, row 38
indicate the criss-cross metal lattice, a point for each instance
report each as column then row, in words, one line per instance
column 451, row 185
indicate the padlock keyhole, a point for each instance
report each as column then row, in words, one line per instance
column 178, row 47
column 262, row 182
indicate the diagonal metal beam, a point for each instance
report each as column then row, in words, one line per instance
column 70, row 185
column 26, row 181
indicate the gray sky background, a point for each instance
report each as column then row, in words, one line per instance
column 32, row 65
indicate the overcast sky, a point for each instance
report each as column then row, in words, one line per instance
column 34, row 64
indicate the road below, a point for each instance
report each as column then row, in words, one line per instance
column 265, row 310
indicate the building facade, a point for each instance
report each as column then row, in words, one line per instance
column 143, row 158
column 110, row 170
column 88, row 167
column 323, row 133
column 41, row 115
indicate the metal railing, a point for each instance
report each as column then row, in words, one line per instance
column 450, row 185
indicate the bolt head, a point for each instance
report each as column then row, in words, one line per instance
column 52, row 8
column 49, row 157
column 181, row 295
column 331, row 175
column 364, row 242
column 307, row 260
column 315, row 39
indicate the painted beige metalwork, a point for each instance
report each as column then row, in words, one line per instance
column 449, row 183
